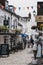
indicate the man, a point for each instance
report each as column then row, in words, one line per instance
column 31, row 40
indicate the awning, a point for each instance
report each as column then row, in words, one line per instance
column 24, row 35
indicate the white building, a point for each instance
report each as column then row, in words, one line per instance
column 13, row 18
column 13, row 21
column 27, row 24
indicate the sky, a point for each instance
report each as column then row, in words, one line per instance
column 24, row 3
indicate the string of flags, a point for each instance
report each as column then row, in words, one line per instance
column 19, row 8
column 22, row 7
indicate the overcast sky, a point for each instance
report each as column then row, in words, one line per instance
column 24, row 3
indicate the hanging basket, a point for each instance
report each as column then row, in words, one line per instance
column 3, row 29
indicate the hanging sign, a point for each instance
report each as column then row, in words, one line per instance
column 19, row 8
column 27, row 7
column 39, row 18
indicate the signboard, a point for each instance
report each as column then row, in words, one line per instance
column 39, row 18
column 40, row 25
column 4, row 49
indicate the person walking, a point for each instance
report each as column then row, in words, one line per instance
column 31, row 41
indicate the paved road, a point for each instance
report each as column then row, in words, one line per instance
column 22, row 57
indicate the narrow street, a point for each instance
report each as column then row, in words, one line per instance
column 22, row 57
column 21, row 25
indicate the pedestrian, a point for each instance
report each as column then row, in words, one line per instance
column 24, row 40
column 28, row 41
column 31, row 41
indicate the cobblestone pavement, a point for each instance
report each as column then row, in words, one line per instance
column 22, row 57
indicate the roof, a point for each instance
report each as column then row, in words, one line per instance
column 12, row 13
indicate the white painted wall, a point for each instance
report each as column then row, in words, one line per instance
column 14, row 23
column 3, row 14
column 12, row 18
column 26, row 25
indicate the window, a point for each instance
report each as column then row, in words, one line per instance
column 40, row 8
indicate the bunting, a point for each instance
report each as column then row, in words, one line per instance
column 19, row 8
column 14, row 8
column 2, row 7
column 27, row 7
column 34, row 11
column 32, row 7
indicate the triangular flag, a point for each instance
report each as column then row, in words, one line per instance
column 34, row 11
column 32, row 7
column 19, row 8
column 27, row 7
column 2, row 7
column 14, row 8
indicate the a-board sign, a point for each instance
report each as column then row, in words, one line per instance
column 4, row 49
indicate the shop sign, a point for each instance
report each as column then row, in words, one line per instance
column 39, row 18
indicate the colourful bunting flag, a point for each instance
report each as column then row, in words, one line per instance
column 34, row 11
column 27, row 7
column 2, row 7
column 19, row 8
column 14, row 8
column 32, row 7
